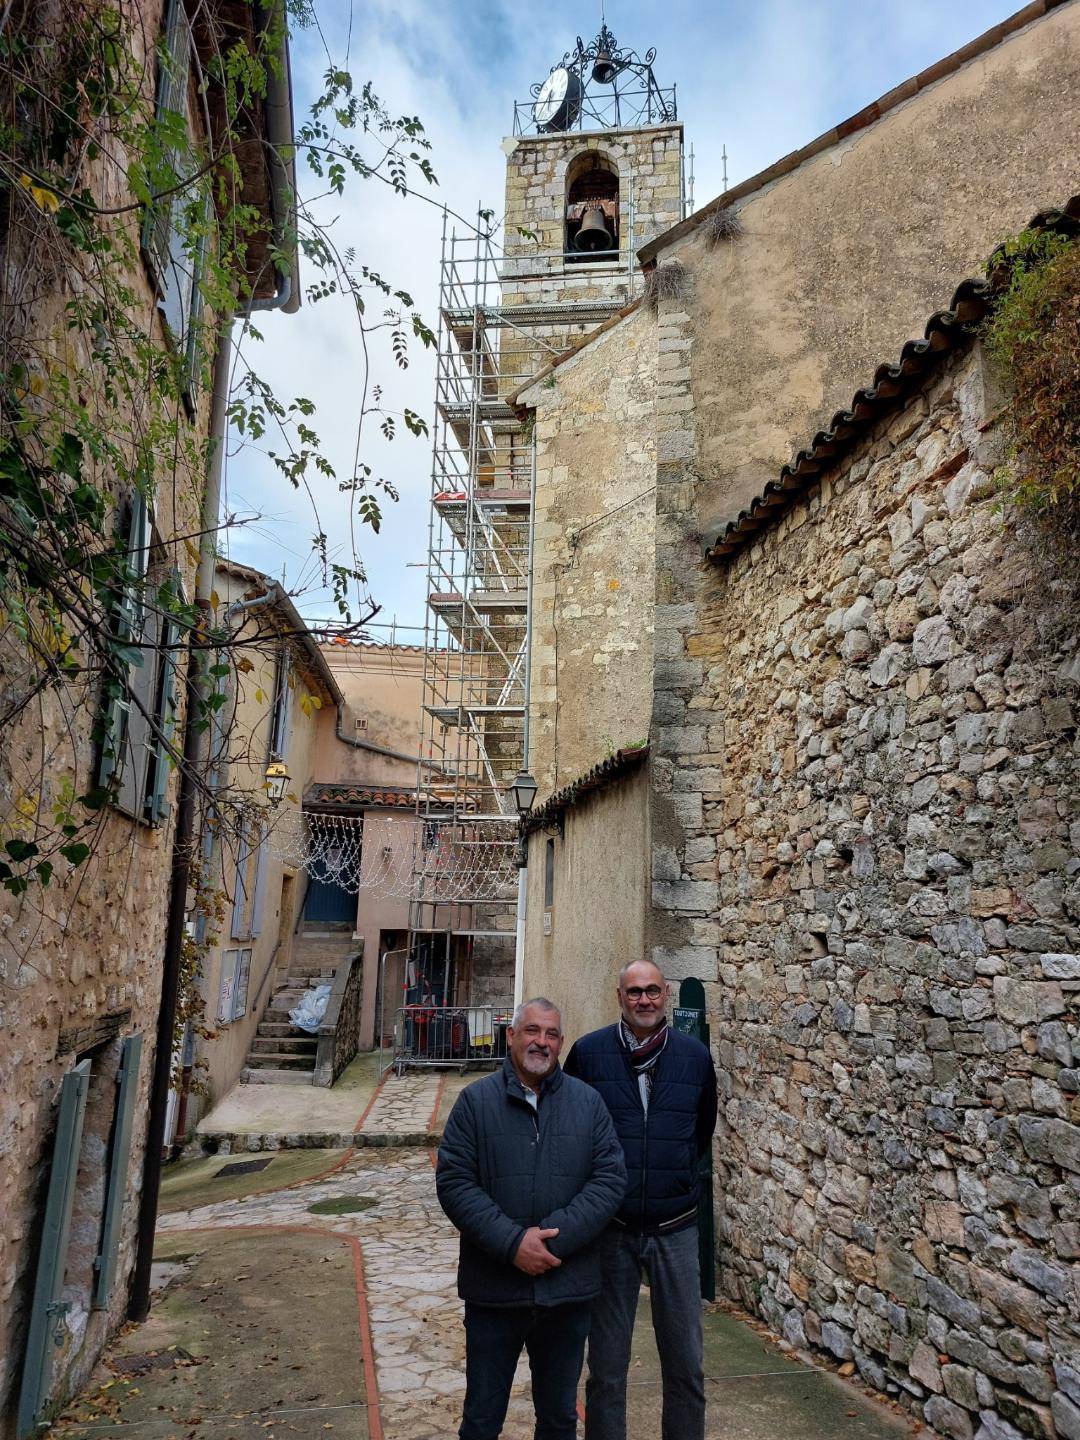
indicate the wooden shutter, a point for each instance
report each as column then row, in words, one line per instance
column 48, row 1308
column 259, row 891
column 240, row 988
column 128, row 618
column 239, row 926
column 165, row 708
column 127, row 1087
column 170, row 108
column 280, row 718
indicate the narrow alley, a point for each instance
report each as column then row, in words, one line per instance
column 311, row 1291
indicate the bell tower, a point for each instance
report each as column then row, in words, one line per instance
column 594, row 169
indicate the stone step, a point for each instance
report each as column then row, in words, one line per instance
column 279, row 1060
column 275, row 1077
column 301, row 971
column 299, row 1045
column 280, row 1029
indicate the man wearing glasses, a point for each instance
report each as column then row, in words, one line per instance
column 659, row 1086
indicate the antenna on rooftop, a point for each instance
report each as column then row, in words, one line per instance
column 723, row 157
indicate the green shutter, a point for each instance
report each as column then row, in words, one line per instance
column 128, row 1083
column 48, row 1310
column 165, row 708
column 127, row 625
column 170, row 106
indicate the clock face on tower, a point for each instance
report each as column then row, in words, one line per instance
column 558, row 100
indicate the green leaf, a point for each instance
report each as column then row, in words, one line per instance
column 21, row 850
column 75, row 854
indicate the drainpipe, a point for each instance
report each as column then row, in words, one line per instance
column 523, row 872
column 287, row 298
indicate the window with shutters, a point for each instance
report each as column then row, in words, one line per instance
column 280, row 716
column 137, row 728
column 174, row 234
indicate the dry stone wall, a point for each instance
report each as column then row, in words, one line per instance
column 876, row 726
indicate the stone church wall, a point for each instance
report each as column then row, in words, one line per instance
column 594, row 553
column 892, row 699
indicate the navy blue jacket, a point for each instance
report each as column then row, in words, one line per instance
column 504, row 1166
column 662, row 1149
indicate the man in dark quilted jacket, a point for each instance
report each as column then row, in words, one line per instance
column 659, row 1086
column 530, row 1171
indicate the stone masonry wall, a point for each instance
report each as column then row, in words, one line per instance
column 880, row 733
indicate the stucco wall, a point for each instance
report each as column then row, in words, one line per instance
column 597, row 919
column 222, row 1057
column 843, row 259
column 593, row 553
column 897, row 985
column 382, row 686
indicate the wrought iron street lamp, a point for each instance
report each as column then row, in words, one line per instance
column 523, row 792
column 277, row 781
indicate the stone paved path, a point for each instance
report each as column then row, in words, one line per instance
column 409, row 1255
column 360, row 1109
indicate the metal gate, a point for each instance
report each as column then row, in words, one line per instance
column 47, row 1314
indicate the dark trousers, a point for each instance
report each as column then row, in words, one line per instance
column 554, row 1337
column 670, row 1265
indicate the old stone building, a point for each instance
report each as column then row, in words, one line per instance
column 113, row 402
column 852, row 818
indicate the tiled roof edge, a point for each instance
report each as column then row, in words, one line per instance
column 945, row 331
column 598, row 778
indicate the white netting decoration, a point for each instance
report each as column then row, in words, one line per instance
column 401, row 857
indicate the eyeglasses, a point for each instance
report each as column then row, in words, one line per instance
column 643, row 992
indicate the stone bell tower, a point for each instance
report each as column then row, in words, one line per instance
column 594, row 168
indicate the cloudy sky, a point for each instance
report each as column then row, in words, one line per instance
column 761, row 77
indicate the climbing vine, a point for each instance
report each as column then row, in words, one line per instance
column 102, row 404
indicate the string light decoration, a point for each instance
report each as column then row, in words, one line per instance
column 448, row 860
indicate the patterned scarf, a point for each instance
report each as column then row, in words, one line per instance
column 643, row 1054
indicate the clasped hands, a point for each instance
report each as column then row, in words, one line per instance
column 533, row 1256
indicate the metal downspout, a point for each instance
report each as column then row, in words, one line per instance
column 523, row 873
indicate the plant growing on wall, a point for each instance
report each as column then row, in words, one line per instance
column 103, row 394
column 1033, row 335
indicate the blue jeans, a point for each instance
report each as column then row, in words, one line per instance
column 553, row 1335
column 670, row 1265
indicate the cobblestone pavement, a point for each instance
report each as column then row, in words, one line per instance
column 404, row 1109
column 409, row 1254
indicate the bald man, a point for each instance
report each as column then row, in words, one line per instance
column 659, row 1087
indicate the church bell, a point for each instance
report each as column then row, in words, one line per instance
column 594, row 234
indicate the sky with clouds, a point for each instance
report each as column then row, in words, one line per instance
column 761, row 78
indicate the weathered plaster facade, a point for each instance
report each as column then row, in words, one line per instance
column 80, row 960
column 593, row 548
column 843, row 258
column 597, row 882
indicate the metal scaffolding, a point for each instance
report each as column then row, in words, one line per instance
column 498, row 328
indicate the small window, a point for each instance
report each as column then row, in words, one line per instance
column 549, row 874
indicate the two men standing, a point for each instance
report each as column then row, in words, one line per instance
column 567, row 1194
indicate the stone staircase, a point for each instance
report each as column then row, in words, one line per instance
column 280, row 1054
